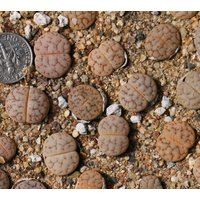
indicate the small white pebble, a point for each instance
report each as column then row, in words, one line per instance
column 81, row 128
column 63, row 21
column 84, row 168
column 172, row 111
column 66, row 113
column 174, row 179
column 170, row 165
column 62, row 103
column 136, row 118
column 14, row 16
column 28, row 31
column 93, row 152
column 41, row 19
column 75, row 133
column 191, row 163
column 35, row 158
column 167, row 119
column 38, row 140
column 166, row 102
column 114, row 109
column 159, row 111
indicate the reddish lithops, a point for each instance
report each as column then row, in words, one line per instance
column 162, row 42
column 27, row 105
column 175, row 141
column 138, row 93
column 90, row 179
column 85, row 102
column 8, row 149
column 29, row 184
column 196, row 170
column 113, row 135
column 188, row 90
column 52, row 51
column 4, row 180
column 108, row 57
column 150, row 182
column 59, row 152
column 183, row 14
column 79, row 20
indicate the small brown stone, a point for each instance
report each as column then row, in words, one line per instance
column 4, row 180
column 183, row 14
column 150, row 182
column 29, row 184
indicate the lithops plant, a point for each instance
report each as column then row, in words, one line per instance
column 86, row 102
column 113, row 135
column 183, row 14
column 188, row 90
column 4, row 180
column 162, row 42
column 79, row 20
column 196, row 169
column 90, row 179
column 8, row 149
column 52, row 51
column 108, row 57
column 27, row 105
column 59, row 152
column 138, row 93
column 175, row 141
column 150, row 182
column 28, row 184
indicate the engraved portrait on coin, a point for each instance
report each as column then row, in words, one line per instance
column 15, row 56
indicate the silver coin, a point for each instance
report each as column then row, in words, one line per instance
column 15, row 55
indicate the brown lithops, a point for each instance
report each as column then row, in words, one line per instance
column 79, row 20
column 29, row 184
column 174, row 142
column 163, row 42
column 85, row 102
column 188, row 90
column 90, row 179
column 52, row 55
column 113, row 135
column 138, row 93
column 7, row 149
column 59, row 152
column 150, row 182
column 197, row 40
column 196, row 170
column 183, row 14
column 108, row 57
column 4, row 180
column 27, row 105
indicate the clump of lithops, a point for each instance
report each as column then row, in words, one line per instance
column 188, row 90
column 138, row 93
column 150, row 182
column 79, row 20
column 29, row 184
column 113, row 135
column 196, row 169
column 86, row 102
column 4, row 180
column 60, row 155
column 27, row 105
column 175, row 141
column 183, row 14
column 108, row 57
column 162, row 42
column 52, row 55
column 90, row 179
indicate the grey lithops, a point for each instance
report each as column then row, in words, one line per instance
column 183, row 14
column 59, row 152
column 150, row 182
column 138, row 93
column 4, row 180
column 188, row 90
column 29, row 184
column 113, row 135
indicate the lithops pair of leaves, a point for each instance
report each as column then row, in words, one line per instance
column 150, row 182
column 28, row 184
column 4, row 180
column 183, row 14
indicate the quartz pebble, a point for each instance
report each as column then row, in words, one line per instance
column 163, row 41
column 75, row 133
column 174, row 142
column 85, row 102
column 59, row 152
column 4, row 180
column 79, row 20
column 62, row 103
column 28, row 32
column 27, row 105
column 14, row 16
column 159, row 111
column 183, row 14
column 136, row 118
column 166, row 102
column 81, row 128
column 41, row 19
column 52, row 52
column 63, row 21
column 188, row 90
column 167, row 119
column 35, row 158
column 108, row 57
column 196, row 169
column 150, row 182
column 113, row 131
column 90, row 179
column 114, row 109
column 29, row 184
column 138, row 93
column 8, row 149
